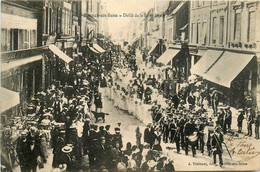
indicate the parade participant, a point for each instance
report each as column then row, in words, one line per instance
column 157, row 146
column 85, row 136
column 191, row 100
column 257, row 122
column 147, row 133
column 216, row 143
column 221, row 118
column 201, row 135
column 101, row 153
column 43, row 143
column 138, row 135
column 67, row 159
column 108, row 137
column 166, row 129
column 59, row 144
column 197, row 97
column 240, row 119
column 176, row 137
column 190, row 136
column 249, row 119
column 101, row 132
column 35, row 155
column 128, row 151
column 228, row 120
column 116, row 156
column 98, row 103
column 182, row 122
column 175, row 100
column 117, row 138
column 215, row 101
column 22, row 153
column 150, row 162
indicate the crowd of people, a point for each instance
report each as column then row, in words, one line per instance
column 65, row 116
column 193, row 117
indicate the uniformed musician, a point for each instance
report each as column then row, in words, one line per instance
column 216, row 143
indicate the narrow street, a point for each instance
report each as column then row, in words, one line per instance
column 185, row 72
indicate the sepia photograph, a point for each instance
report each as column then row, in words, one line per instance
column 130, row 85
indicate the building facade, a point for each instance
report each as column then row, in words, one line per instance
column 223, row 33
column 21, row 57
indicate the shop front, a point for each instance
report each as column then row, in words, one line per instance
column 233, row 73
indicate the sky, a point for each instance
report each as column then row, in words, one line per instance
column 119, row 7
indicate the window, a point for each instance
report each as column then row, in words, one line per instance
column 170, row 35
column 69, row 22
column 63, row 21
column 91, row 5
column 14, row 39
column 199, row 3
column 87, row 7
column 198, row 32
column 237, row 27
column 3, row 40
column 26, row 44
column 221, row 30
column 46, row 20
column 20, row 39
column 251, row 27
column 192, row 4
column 193, row 32
column 204, row 33
column 33, row 38
column 214, row 30
column 8, row 40
column 50, row 19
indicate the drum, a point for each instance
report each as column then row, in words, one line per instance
column 194, row 137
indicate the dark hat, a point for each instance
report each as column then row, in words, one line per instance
column 117, row 129
column 101, row 128
column 95, row 127
column 107, row 127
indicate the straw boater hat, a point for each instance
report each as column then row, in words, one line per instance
column 66, row 149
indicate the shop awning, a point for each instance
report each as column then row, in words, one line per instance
column 167, row 56
column 59, row 53
column 92, row 49
column 98, row 48
column 225, row 70
column 206, row 61
column 153, row 49
column 21, row 62
column 9, row 99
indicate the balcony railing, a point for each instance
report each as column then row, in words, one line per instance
column 19, row 54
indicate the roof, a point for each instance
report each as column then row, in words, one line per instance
column 172, row 6
column 178, row 8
